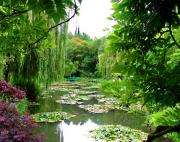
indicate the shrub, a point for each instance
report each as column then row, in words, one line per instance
column 31, row 87
column 13, row 126
column 12, row 93
column 16, row 128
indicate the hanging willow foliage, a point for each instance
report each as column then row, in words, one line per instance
column 106, row 64
column 29, row 36
column 62, row 51
column 31, row 64
column 52, row 61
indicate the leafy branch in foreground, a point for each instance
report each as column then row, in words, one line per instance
column 162, row 130
column 166, row 121
column 172, row 36
column 15, row 13
column 55, row 26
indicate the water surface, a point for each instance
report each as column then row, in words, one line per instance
column 76, row 129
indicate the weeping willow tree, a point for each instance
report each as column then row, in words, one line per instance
column 105, row 65
column 52, row 60
column 28, row 36
column 42, row 65
column 107, row 59
column 60, row 54
column 24, row 69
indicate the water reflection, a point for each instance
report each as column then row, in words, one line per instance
column 76, row 132
column 76, row 129
column 60, row 131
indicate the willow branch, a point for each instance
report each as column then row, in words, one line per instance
column 55, row 26
column 173, row 38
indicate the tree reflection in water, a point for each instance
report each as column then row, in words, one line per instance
column 76, row 132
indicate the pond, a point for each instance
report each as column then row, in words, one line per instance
column 77, row 128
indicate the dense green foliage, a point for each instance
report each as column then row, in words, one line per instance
column 82, row 56
column 32, row 42
column 141, row 57
column 144, row 47
column 150, row 57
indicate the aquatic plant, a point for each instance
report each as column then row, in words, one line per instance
column 51, row 116
column 111, row 133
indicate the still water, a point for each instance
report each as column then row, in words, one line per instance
column 77, row 128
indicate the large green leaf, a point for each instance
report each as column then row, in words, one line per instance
column 60, row 10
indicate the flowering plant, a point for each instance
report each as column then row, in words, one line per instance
column 12, row 93
column 13, row 126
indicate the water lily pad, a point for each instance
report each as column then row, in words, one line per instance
column 91, row 88
column 83, row 98
column 86, row 92
column 95, row 108
column 67, row 101
column 118, row 133
column 51, row 116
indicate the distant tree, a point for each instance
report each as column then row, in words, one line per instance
column 82, row 56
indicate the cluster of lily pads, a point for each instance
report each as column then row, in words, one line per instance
column 65, row 85
column 51, row 116
column 73, row 99
column 118, row 133
column 104, row 104
column 79, row 94
column 95, row 108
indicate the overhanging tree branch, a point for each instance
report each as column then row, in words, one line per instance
column 162, row 130
column 173, row 38
column 55, row 26
column 16, row 13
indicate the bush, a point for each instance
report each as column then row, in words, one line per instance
column 16, row 128
column 11, row 93
column 22, row 106
column 31, row 87
column 13, row 126
column 122, row 90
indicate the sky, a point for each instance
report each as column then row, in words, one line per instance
column 93, row 18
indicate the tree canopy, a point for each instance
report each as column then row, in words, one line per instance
column 145, row 37
column 31, row 31
column 142, row 53
column 145, row 49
